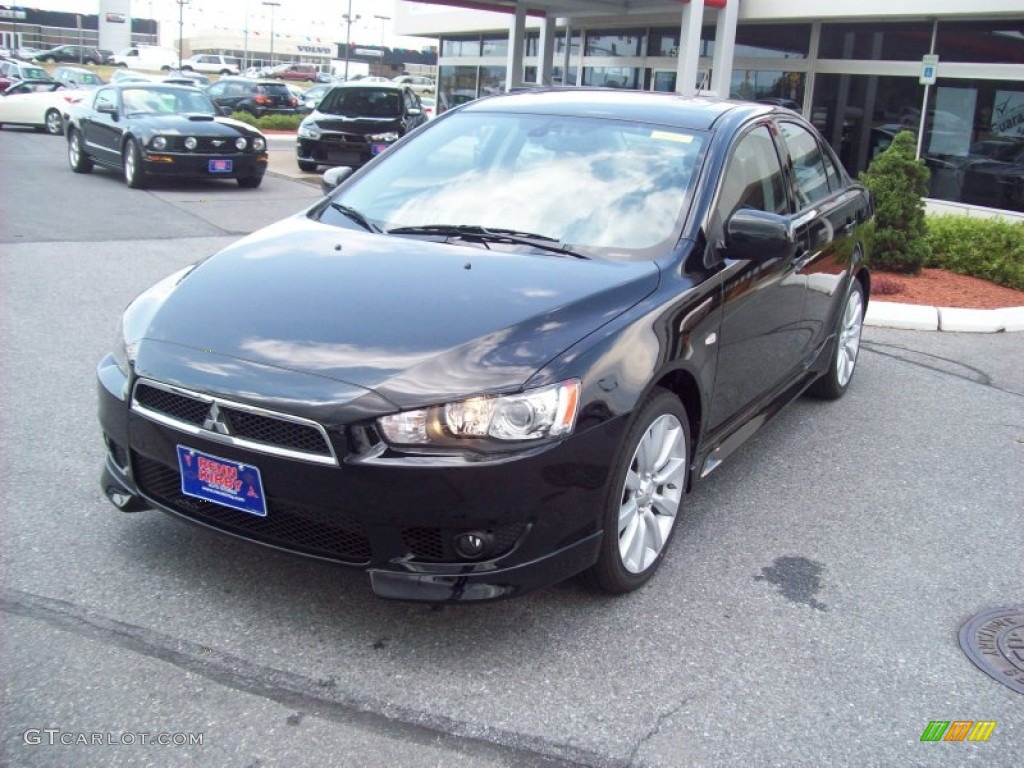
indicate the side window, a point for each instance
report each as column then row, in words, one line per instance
column 808, row 164
column 104, row 97
column 753, row 177
column 216, row 90
column 835, row 177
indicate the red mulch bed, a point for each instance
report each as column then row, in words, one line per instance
column 940, row 288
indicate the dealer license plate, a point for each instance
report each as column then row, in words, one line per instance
column 231, row 483
column 220, row 165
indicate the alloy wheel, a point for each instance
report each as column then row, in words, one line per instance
column 849, row 338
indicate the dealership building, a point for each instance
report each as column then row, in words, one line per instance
column 950, row 70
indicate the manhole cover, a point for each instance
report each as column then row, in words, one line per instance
column 994, row 640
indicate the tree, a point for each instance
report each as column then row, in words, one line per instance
column 898, row 182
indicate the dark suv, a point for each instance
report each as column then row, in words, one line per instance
column 355, row 122
column 257, row 97
column 72, row 54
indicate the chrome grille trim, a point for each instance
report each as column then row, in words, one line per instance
column 330, row 458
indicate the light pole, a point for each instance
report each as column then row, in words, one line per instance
column 349, row 18
column 382, row 20
column 181, row 26
column 272, row 5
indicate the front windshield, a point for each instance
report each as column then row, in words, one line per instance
column 362, row 102
column 167, row 101
column 585, row 182
column 34, row 73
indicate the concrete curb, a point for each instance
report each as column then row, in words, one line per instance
column 887, row 314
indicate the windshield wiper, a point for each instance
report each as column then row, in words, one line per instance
column 490, row 234
column 356, row 216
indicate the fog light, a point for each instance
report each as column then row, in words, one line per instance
column 473, row 545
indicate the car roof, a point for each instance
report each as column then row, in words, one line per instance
column 124, row 85
column 696, row 113
column 374, row 84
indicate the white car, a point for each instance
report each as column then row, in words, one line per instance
column 422, row 86
column 213, row 63
column 39, row 105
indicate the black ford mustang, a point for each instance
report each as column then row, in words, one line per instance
column 500, row 353
column 146, row 130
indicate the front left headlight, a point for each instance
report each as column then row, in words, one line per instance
column 259, row 144
column 307, row 131
column 495, row 422
column 385, row 137
column 240, row 143
column 159, row 142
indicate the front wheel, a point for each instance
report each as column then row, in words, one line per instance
column 76, row 155
column 833, row 383
column 54, row 123
column 645, row 495
column 134, row 173
column 308, row 167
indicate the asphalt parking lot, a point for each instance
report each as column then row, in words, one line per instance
column 807, row 613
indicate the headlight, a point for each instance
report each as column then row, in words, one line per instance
column 191, row 143
column 122, row 354
column 240, row 143
column 479, row 422
column 159, row 142
column 386, row 137
column 259, row 144
column 308, row 132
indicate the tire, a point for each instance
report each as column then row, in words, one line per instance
column 54, row 123
column 134, row 173
column 50, row 60
column 250, row 182
column 834, row 382
column 77, row 159
column 165, row 68
column 122, row 65
column 225, row 72
column 308, row 167
column 186, row 68
column 645, row 494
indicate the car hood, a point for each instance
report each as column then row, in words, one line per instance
column 417, row 322
column 191, row 124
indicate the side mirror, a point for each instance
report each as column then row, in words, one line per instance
column 415, row 112
column 107, row 109
column 758, row 236
column 333, row 177
column 225, row 111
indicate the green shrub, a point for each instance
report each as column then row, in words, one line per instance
column 270, row 122
column 898, row 182
column 992, row 249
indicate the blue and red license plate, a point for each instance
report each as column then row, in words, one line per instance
column 220, row 165
column 230, row 483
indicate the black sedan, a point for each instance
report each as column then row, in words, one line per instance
column 355, row 122
column 148, row 130
column 501, row 353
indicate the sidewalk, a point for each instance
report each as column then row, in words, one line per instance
column 884, row 314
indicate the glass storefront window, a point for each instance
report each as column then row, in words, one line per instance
column 531, row 44
column 889, row 41
column 455, row 85
column 495, row 46
column 664, row 41
column 460, row 46
column 558, row 79
column 983, row 42
column 784, row 89
column 492, row 80
column 785, row 41
column 618, row 42
column 612, row 77
column 574, row 45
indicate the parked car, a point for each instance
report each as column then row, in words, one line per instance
column 305, row 72
column 312, row 97
column 355, row 122
column 25, row 53
column 37, row 104
column 212, row 63
column 107, row 56
column 501, row 353
column 422, row 86
column 71, row 54
column 196, row 78
column 257, row 97
column 127, row 75
column 151, row 57
column 148, row 130
column 429, row 107
column 12, row 71
column 76, row 77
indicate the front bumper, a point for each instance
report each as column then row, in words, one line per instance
column 397, row 520
column 201, row 166
column 339, row 149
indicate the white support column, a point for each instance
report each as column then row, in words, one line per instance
column 689, row 48
column 546, row 50
column 516, row 36
column 725, row 49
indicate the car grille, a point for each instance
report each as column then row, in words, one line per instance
column 299, row 527
column 343, row 139
column 435, row 544
column 245, row 426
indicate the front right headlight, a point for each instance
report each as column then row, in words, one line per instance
column 308, row 132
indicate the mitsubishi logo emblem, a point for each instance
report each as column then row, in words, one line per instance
column 216, row 421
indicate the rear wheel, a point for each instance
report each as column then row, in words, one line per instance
column 833, row 384
column 54, row 122
column 308, row 167
column 134, row 173
column 645, row 496
column 76, row 155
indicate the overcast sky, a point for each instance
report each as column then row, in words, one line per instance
column 305, row 17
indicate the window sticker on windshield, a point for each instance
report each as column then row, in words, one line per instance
column 682, row 138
